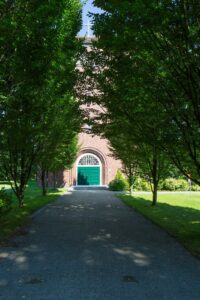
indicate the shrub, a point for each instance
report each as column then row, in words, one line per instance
column 5, row 201
column 160, row 185
column 172, row 184
column 144, row 186
column 169, row 184
column 182, row 185
column 195, row 187
column 120, row 183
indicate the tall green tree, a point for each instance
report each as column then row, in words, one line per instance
column 137, row 143
column 144, row 69
column 38, row 53
column 162, row 38
column 123, row 150
column 60, row 144
column 130, row 119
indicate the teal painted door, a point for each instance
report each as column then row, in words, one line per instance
column 89, row 175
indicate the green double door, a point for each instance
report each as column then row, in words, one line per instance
column 89, row 176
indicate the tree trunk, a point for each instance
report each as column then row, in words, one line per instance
column 20, row 197
column 54, row 180
column 155, row 181
column 131, row 180
column 18, row 190
column 44, row 190
column 155, row 194
column 47, row 179
column 131, row 190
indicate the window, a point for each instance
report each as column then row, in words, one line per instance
column 89, row 160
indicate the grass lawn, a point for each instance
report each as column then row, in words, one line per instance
column 177, row 213
column 17, row 217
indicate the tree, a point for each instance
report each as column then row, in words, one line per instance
column 123, row 150
column 131, row 120
column 137, row 146
column 60, row 145
column 163, row 39
column 38, row 53
column 145, row 70
column 65, row 157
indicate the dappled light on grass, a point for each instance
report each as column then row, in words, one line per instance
column 5, row 185
column 17, row 217
column 178, row 214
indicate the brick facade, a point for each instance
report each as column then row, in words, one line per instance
column 100, row 147
column 89, row 143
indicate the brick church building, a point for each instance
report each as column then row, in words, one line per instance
column 94, row 165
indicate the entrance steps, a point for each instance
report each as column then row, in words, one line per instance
column 88, row 188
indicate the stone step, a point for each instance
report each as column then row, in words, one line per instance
column 88, row 188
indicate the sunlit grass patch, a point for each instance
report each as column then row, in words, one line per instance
column 4, row 184
column 177, row 213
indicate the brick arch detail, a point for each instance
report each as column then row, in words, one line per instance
column 102, row 158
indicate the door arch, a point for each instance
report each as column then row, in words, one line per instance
column 89, row 170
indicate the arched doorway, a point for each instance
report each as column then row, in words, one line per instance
column 89, row 170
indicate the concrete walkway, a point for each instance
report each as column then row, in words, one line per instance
column 87, row 246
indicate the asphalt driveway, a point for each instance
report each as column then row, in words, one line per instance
column 88, row 245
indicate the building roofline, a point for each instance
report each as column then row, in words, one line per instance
column 86, row 39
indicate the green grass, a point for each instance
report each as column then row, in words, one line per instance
column 177, row 213
column 18, row 217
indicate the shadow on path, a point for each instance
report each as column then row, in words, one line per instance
column 91, row 246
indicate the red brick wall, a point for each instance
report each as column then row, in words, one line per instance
column 99, row 147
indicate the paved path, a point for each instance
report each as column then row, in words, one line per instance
column 87, row 246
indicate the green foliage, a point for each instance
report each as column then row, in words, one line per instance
column 195, row 187
column 60, row 155
column 119, row 183
column 149, row 58
column 119, row 175
column 182, row 185
column 38, row 50
column 5, row 201
column 142, row 185
column 134, row 119
column 172, row 184
column 169, row 184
